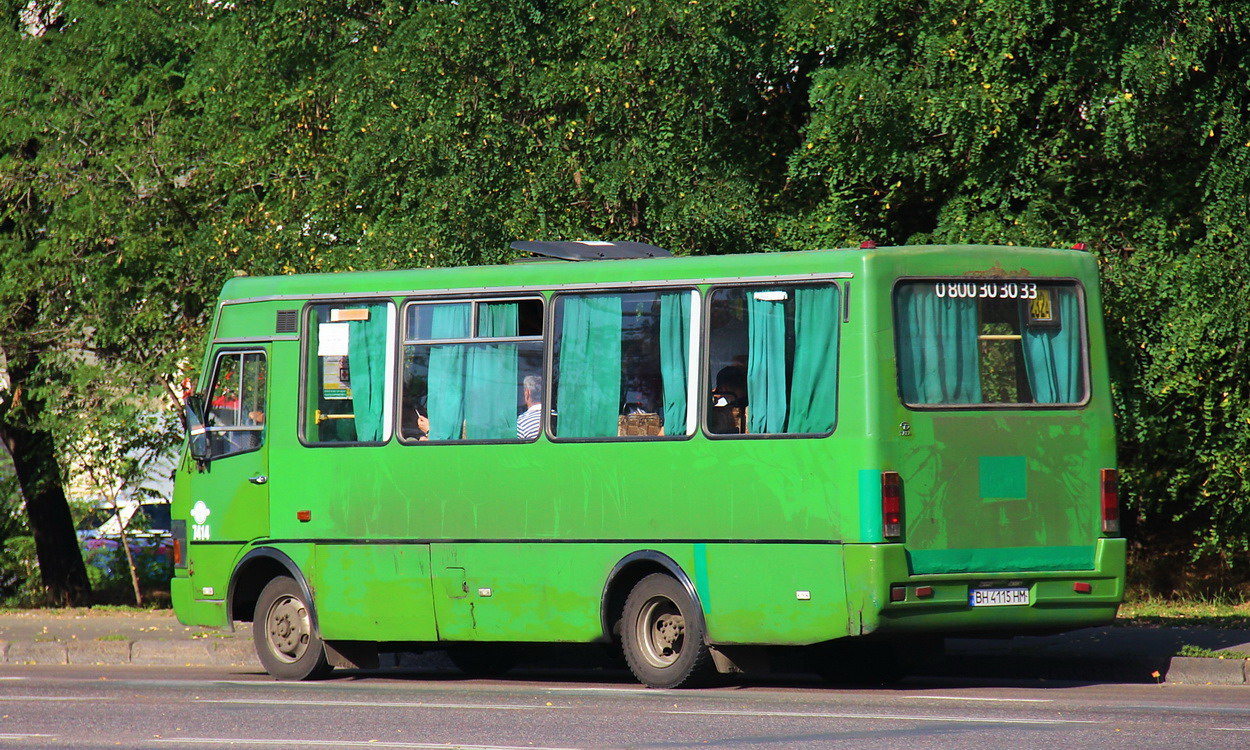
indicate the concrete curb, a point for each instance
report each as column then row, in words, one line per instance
column 238, row 652
column 1191, row 670
column 196, row 653
column 1183, row 670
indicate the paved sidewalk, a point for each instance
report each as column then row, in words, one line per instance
column 99, row 636
column 1121, row 654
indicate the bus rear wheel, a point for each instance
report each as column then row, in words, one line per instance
column 662, row 634
column 282, row 630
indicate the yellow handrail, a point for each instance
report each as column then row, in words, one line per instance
column 318, row 417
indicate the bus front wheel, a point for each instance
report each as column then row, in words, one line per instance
column 283, row 632
column 662, row 634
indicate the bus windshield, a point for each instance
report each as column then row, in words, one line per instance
column 992, row 342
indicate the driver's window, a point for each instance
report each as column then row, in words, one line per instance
column 236, row 404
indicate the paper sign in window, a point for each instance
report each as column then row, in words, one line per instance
column 332, row 340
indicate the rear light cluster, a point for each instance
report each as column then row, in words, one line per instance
column 891, row 504
column 899, row 593
column 179, row 531
column 1110, row 494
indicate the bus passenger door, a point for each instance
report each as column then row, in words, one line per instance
column 230, row 492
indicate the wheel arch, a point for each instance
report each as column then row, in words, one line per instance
column 626, row 574
column 256, row 569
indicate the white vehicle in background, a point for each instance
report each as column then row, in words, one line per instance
column 141, row 516
column 147, row 527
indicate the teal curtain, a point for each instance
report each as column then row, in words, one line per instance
column 491, row 403
column 674, row 358
column 448, row 363
column 1052, row 356
column 814, row 384
column 366, row 356
column 766, row 365
column 589, row 368
column 938, row 350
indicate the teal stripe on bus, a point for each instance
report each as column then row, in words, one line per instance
column 700, row 576
column 870, row 506
column 1001, row 560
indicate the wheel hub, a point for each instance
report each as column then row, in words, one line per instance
column 288, row 628
column 663, row 628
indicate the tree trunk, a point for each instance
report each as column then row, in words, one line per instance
column 130, row 558
column 47, row 511
column 34, row 461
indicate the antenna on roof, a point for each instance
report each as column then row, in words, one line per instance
column 591, row 250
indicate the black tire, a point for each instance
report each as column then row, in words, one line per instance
column 282, row 629
column 663, row 636
column 487, row 660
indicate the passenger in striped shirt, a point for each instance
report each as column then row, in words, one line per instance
column 530, row 421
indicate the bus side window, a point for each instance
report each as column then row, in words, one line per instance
column 349, row 358
column 622, row 364
column 472, row 370
column 236, row 404
column 773, row 359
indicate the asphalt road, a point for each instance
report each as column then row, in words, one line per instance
column 209, row 707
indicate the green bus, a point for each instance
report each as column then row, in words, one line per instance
column 684, row 459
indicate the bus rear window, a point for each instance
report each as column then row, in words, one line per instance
column 1014, row 342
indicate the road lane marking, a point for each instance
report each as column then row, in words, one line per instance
column 19, row 698
column 264, row 682
column 640, row 690
column 348, row 743
column 15, row 736
column 883, row 717
column 376, row 704
column 970, row 698
column 1232, row 729
column 12, row 678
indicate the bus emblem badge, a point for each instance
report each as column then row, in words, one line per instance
column 200, row 530
column 904, row 429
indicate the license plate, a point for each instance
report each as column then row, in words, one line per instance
column 1013, row 597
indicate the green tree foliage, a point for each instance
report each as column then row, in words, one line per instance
column 93, row 217
column 150, row 150
column 1034, row 121
column 466, row 126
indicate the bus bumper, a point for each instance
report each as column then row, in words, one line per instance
column 209, row 613
column 885, row 597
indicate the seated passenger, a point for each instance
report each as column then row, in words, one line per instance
column 529, row 423
column 415, row 424
column 729, row 401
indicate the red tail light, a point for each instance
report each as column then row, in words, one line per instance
column 1110, row 493
column 178, row 531
column 891, row 504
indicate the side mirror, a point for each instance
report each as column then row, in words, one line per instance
column 197, row 431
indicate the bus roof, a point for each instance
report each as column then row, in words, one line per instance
column 955, row 260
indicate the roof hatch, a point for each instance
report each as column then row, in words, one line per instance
column 591, row 250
